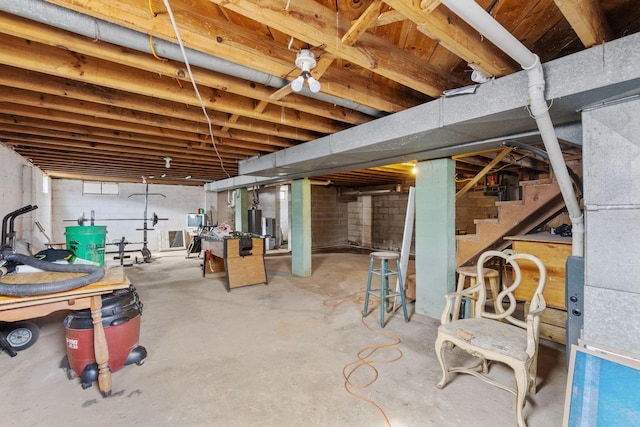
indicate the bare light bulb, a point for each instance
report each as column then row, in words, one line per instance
column 314, row 85
column 167, row 162
column 296, row 85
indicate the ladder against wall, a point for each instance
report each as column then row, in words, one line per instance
column 541, row 200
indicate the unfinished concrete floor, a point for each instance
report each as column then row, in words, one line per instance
column 266, row 356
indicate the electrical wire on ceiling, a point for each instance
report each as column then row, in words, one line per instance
column 193, row 82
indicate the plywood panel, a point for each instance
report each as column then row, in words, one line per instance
column 554, row 257
column 244, row 270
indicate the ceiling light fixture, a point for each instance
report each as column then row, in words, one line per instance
column 305, row 60
column 167, row 162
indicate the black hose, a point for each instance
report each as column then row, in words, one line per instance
column 94, row 274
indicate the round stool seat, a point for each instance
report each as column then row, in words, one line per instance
column 385, row 255
column 473, row 272
column 384, row 294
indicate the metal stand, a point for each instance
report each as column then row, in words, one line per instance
column 146, row 254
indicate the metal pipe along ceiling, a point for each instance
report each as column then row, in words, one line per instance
column 69, row 20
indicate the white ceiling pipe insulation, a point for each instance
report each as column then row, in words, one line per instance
column 486, row 25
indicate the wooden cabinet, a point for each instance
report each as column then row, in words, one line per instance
column 553, row 251
column 243, row 260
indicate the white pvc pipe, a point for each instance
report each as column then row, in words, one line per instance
column 486, row 25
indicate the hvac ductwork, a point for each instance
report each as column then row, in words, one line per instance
column 486, row 25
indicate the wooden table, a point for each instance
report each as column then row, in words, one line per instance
column 240, row 270
column 14, row 309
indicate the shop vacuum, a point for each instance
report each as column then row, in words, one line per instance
column 121, row 311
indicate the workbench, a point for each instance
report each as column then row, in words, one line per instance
column 240, row 258
column 13, row 309
column 553, row 250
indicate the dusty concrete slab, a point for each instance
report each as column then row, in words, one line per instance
column 265, row 356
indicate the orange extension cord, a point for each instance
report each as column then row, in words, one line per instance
column 366, row 354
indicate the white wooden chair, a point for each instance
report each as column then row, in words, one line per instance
column 497, row 336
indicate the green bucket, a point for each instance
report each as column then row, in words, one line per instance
column 87, row 243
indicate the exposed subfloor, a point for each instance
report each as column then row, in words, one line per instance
column 267, row 356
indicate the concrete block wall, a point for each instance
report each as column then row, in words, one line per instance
column 354, row 228
column 24, row 184
column 69, row 203
column 329, row 218
column 612, row 225
column 389, row 212
column 474, row 205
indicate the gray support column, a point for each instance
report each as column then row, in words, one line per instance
column 301, row 227
column 612, row 217
column 242, row 210
column 435, row 235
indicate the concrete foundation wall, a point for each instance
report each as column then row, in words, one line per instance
column 24, row 184
column 471, row 206
column 354, row 227
column 612, row 219
column 389, row 214
column 329, row 218
column 69, row 203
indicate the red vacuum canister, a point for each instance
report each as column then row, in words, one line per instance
column 121, row 312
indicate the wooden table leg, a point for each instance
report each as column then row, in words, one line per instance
column 100, row 347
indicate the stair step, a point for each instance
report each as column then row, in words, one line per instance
column 510, row 203
column 486, row 221
column 541, row 196
column 467, row 237
column 536, row 182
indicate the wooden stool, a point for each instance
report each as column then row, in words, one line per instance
column 490, row 275
column 383, row 291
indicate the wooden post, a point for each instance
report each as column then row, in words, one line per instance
column 100, row 347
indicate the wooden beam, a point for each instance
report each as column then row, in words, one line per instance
column 104, row 102
column 30, row 30
column 456, row 35
column 587, row 20
column 483, row 172
column 429, row 5
column 95, row 71
column 388, row 17
column 317, row 25
column 365, row 21
column 204, row 30
column 21, row 114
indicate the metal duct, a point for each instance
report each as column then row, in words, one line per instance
column 486, row 25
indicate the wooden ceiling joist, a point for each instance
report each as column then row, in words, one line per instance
column 236, row 44
column 587, row 20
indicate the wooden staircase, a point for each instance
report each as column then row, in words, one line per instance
column 541, row 201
